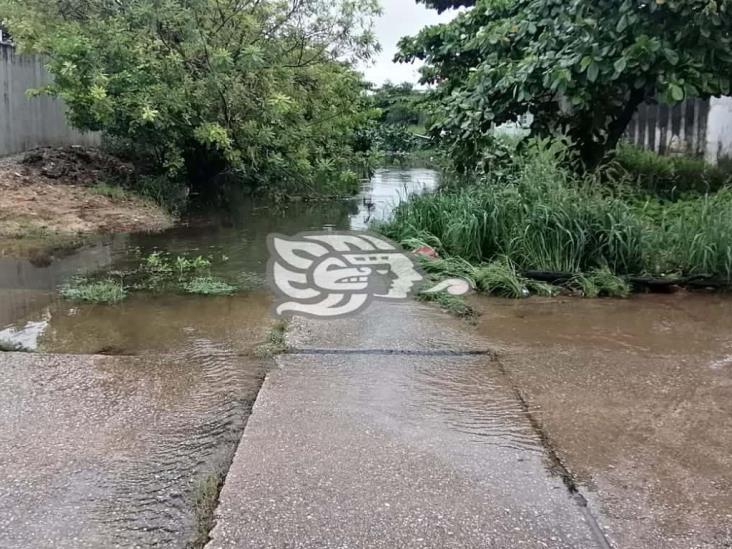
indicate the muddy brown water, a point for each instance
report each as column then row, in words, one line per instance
column 635, row 398
column 116, row 450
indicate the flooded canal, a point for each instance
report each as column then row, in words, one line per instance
column 116, row 434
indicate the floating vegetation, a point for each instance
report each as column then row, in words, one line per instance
column 251, row 281
column 206, row 285
column 158, row 272
column 94, row 291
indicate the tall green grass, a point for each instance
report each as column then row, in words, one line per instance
column 541, row 216
column 668, row 176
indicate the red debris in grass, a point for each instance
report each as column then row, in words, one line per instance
column 427, row 251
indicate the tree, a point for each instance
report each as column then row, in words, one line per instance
column 262, row 89
column 399, row 104
column 581, row 67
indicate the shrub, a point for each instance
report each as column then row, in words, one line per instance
column 669, row 176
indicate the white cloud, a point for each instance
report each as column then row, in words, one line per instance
column 400, row 18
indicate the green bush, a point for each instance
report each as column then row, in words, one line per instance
column 266, row 92
column 669, row 176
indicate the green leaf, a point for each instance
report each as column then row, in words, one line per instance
column 622, row 24
column 676, row 92
column 671, row 56
column 593, row 71
column 620, row 65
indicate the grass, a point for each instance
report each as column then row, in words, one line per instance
column 455, row 305
column 669, row 176
column 100, row 291
column 536, row 214
column 501, row 278
column 115, row 192
column 205, row 500
column 600, row 282
column 276, row 342
column 207, row 285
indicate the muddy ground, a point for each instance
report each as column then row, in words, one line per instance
column 53, row 198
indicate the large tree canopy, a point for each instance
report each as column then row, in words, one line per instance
column 581, row 67
column 264, row 88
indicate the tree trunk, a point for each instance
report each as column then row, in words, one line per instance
column 594, row 153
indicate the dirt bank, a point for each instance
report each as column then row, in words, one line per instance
column 56, row 197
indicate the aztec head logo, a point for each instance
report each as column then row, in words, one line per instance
column 327, row 274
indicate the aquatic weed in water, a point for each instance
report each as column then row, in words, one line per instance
column 99, row 291
column 208, row 285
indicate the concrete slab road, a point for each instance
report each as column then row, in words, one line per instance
column 386, row 448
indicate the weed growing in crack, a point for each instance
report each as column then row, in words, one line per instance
column 205, row 500
column 276, row 343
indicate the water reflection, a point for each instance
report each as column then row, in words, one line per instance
column 382, row 193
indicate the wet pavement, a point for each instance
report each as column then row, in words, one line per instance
column 385, row 430
column 113, row 451
column 635, row 398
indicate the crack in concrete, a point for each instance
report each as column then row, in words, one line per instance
column 388, row 352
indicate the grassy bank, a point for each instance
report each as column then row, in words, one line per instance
column 535, row 214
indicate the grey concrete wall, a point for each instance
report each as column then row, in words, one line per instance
column 31, row 122
column 696, row 127
column 665, row 129
column 719, row 130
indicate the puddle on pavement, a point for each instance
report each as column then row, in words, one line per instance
column 117, row 444
column 635, row 396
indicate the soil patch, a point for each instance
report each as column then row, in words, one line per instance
column 55, row 197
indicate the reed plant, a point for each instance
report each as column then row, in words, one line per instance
column 537, row 214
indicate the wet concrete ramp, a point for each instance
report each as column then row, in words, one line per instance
column 101, row 451
column 359, row 446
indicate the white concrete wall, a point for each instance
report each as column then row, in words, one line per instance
column 31, row 122
column 719, row 130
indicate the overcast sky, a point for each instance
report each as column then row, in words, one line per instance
column 400, row 18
